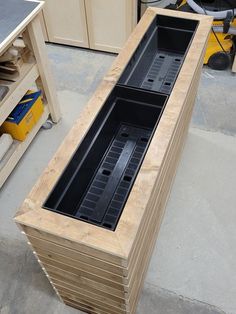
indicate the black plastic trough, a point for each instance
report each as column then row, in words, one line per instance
column 95, row 185
column 157, row 60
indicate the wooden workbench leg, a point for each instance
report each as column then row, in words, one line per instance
column 39, row 49
column 234, row 65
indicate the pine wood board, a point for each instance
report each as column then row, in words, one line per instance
column 48, row 246
column 106, row 300
column 94, row 301
column 73, row 270
column 66, row 281
column 87, row 268
column 90, row 304
column 56, row 244
column 82, row 307
column 78, row 280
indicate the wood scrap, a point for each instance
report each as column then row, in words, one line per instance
column 6, row 141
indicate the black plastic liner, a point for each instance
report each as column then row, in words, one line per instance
column 107, row 193
column 96, row 183
column 157, row 60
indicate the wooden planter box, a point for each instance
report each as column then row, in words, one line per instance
column 101, row 268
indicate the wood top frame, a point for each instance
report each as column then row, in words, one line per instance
column 116, row 246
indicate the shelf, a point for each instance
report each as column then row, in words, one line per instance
column 18, row 148
column 29, row 73
column 35, row 69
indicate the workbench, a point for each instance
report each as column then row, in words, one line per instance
column 20, row 18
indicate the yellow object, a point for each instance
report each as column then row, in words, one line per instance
column 23, row 118
column 213, row 45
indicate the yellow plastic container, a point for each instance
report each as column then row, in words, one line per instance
column 25, row 115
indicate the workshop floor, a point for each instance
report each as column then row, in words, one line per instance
column 192, row 270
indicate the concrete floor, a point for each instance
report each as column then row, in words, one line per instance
column 192, row 270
